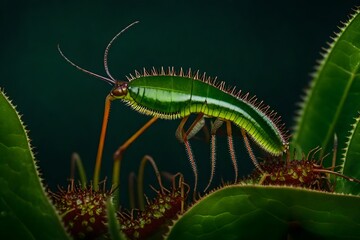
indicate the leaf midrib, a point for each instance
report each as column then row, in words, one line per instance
column 339, row 108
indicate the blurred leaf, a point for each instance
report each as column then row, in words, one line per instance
column 113, row 223
column 259, row 212
column 334, row 96
column 25, row 210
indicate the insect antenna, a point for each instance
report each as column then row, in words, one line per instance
column 108, row 80
column 106, row 53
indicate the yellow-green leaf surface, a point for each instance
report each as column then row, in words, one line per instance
column 25, row 211
column 265, row 212
column 333, row 99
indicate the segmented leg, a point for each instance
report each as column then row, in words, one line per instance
column 232, row 149
column 251, row 154
column 183, row 137
column 193, row 165
column 199, row 125
column 119, row 154
column 195, row 127
column 108, row 100
column 214, row 127
column 180, row 130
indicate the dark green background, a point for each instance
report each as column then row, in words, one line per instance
column 268, row 48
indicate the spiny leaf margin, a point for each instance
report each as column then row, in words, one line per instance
column 277, row 211
column 306, row 136
column 350, row 164
column 25, row 209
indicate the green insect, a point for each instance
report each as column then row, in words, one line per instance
column 168, row 94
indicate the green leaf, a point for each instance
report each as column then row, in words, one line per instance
column 113, row 223
column 25, row 210
column 351, row 162
column 334, row 96
column 266, row 212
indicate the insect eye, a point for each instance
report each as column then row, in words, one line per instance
column 119, row 91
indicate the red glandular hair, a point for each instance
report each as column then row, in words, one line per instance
column 83, row 211
column 157, row 214
column 298, row 173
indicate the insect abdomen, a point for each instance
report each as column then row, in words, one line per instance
column 178, row 96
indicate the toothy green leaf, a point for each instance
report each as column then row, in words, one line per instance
column 25, row 210
column 257, row 212
column 334, row 96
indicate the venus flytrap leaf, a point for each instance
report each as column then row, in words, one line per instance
column 270, row 212
column 25, row 210
column 351, row 161
column 334, row 95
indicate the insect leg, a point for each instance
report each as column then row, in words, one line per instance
column 180, row 130
column 232, row 149
column 214, row 127
column 248, row 148
column 180, row 134
column 199, row 125
column 118, row 155
column 101, row 142
column 196, row 126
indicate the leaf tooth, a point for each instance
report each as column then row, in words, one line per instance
column 137, row 74
column 221, row 85
column 203, row 77
column 245, row 97
column 181, row 73
column 238, row 94
column 252, row 100
column 145, row 72
column 189, row 73
column 172, row 71
column 196, row 76
column 153, row 71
